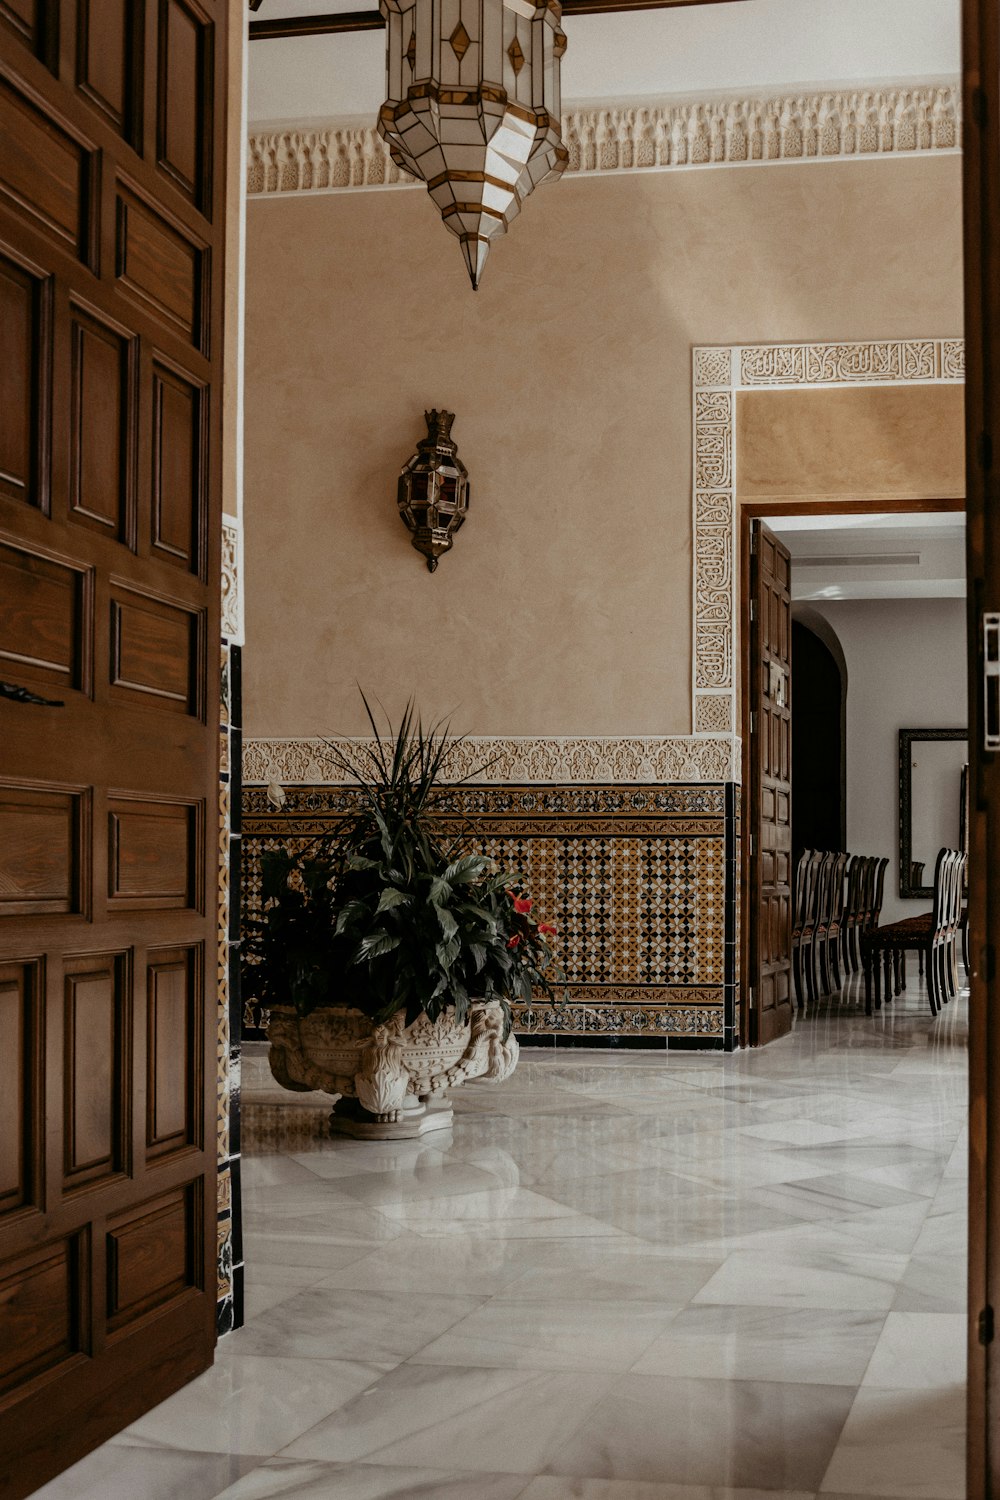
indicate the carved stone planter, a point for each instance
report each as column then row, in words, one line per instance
column 393, row 1080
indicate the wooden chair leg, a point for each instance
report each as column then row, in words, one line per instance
column 797, row 976
column 868, row 982
column 889, row 992
column 931, row 971
column 838, row 982
column 812, row 974
column 920, row 960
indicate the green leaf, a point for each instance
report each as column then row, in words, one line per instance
column 375, row 945
column 448, row 924
column 447, row 952
column 440, row 891
column 390, row 898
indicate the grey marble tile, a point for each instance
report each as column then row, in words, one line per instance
column 609, row 1273
column 863, row 1282
column 285, row 1479
column 565, row 1487
column 739, row 1433
column 933, row 1283
column 120, row 1472
column 495, row 1421
column 341, row 1323
column 764, row 1343
column 920, row 1351
column 550, row 1335
column 252, row 1404
column 901, row 1443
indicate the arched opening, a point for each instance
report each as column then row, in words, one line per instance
column 819, row 735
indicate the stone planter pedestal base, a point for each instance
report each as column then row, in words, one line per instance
column 348, row 1118
column 393, row 1080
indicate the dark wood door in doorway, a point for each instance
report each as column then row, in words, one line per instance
column 770, row 809
column 112, row 200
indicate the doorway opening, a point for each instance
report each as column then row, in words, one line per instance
column 873, row 595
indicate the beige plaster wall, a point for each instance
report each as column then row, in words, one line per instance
column 870, row 442
column 564, row 608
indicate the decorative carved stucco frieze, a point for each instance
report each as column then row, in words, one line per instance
column 848, row 125
column 642, row 761
column 232, row 582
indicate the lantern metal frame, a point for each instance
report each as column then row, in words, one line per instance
column 433, row 490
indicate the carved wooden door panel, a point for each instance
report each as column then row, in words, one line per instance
column 770, row 826
column 111, row 231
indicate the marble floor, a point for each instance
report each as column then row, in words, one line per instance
column 627, row 1276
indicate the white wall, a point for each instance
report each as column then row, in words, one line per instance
column 769, row 46
column 906, row 670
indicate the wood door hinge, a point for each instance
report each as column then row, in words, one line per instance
column 753, row 610
column 753, row 722
column 986, row 1326
column 752, row 845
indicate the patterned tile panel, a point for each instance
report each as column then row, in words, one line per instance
column 633, row 878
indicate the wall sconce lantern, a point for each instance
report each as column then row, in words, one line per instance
column 433, row 491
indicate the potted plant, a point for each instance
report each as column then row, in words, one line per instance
column 387, row 954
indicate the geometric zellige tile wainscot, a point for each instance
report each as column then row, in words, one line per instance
column 639, row 881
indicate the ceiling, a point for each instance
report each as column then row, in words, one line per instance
column 740, row 47
column 875, row 556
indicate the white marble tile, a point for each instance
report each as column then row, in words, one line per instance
column 919, row 1351
column 379, row 1327
column 340, row 1158
column 508, row 1212
column 863, row 1282
column 550, row 1335
column 260, row 1293
column 284, row 1479
column 442, row 1181
column 749, row 1434
column 487, row 1420
column 765, row 1343
column 252, row 1404
column 565, row 1487
column 610, row 1273
column 300, row 1258
column 933, row 1283
column 901, row 1443
column 119, row 1472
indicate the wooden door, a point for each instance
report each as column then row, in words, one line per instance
column 770, row 776
column 981, row 173
column 111, row 232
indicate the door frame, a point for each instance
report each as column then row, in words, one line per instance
column 748, row 513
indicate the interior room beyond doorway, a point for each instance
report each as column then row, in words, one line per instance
column 878, row 610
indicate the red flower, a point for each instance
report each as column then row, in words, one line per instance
column 522, row 904
column 513, row 942
column 545, row 927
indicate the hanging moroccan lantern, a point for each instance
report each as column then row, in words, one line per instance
column 473, row 107
column 433, row 489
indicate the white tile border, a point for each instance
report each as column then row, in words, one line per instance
column 718, row 374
